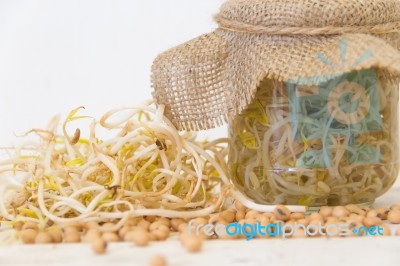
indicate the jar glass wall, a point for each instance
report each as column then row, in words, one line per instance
column 334, row 143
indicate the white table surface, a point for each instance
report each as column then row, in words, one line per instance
column 315, row 251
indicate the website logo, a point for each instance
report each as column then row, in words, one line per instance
column 328, row 107
column 281, row 230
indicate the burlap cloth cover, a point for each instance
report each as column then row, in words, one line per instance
column 205, row 81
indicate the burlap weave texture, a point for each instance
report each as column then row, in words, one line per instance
column 205, row 81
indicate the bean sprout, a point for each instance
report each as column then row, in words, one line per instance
column 148, row 167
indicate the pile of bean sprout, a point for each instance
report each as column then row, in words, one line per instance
column 147, row 167
column 272, row 165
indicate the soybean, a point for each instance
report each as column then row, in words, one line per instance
column 158, row 261
column 99, row 246
column 43, row 238
column 192, row 244
column 394, row 217
column 140, row 238
column 28, row 236
column 282, row 213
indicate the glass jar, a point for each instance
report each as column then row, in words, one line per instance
column 333, row 143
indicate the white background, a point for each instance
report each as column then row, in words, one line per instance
column 57, row 55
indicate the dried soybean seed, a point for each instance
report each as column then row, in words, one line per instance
column 152, row 237
column 395, row 207
column 251, row 221
column 297, row 215
column 383, row 213
column 228, row 215
column 99, row 246
column 240, row 215
column 264, row 214
column 94, row 232
column 129, row 236
column 200, row 221
column 43, row 238
column 28, row 235
column 159, row 234
column 365, row 209
column 144, row 224
column 175, row 223
column 133, row 221
column 251, row 214
column 158, row 225
column 164, row 221
column 150, row 218
column 269, row 214
column 30, row 225
column 55, row 234
column 356, row 218
column 373, row 213
column 193, row 244
column 80, row 227
column 110, row 237
column 158, row 261
column 273, row 219
column 239, row 206
column 183, row 227
column 125, row 229
column 340, row 211
column 72, row 237
column 140, row 238
column 264, row 221
column 371, row 221
column 394, row 217
column 107, row 225
column 352, row 208
column 282, row 213
column 302, row 222
column 315, row 217
column 332, row 219
column 91, row 235
column 70, row 230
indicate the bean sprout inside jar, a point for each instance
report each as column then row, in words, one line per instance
column 334, row 143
